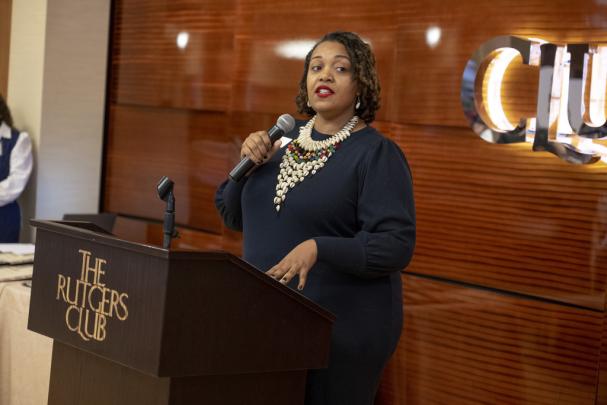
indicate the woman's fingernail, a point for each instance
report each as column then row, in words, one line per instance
column 300, row 287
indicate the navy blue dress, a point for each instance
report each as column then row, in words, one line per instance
column 359, row 209
column 10, row 214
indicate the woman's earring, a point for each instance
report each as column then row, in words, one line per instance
column 308, row 103
column 357, row 106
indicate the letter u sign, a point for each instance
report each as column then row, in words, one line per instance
column 570, row 139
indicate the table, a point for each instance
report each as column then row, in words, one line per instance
column 25, row 357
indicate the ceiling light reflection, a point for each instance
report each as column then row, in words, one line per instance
column 182, row 40
column 297, row 49
column 433, row 35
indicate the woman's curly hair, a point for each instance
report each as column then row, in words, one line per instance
column 364, row 73
column 5, row 113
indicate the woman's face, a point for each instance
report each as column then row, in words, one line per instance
column 332, row 90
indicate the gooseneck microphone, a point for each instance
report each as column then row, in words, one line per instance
column 284, row 124
column 165, row 192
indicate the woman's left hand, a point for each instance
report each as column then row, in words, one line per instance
column 299, row 261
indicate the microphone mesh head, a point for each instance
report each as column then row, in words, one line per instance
column 286, row 123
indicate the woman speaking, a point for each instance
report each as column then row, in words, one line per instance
column 332, row 214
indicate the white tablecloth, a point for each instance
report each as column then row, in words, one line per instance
column 25, row 357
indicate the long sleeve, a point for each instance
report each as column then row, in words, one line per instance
column 228, row 203
column 21, row 163
column 386, row 215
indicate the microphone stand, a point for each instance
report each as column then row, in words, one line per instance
column 165, row 192
column 168, row 226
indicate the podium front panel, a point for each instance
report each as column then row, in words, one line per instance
column 99, row 297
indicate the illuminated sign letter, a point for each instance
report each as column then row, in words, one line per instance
column 553, row 129
column 490, row 122
column 580, row 55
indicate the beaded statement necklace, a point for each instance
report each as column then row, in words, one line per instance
column 305, row 156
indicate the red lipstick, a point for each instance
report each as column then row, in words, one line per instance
column 324, row 91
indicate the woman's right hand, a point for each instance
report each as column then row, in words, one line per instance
column 258, row 148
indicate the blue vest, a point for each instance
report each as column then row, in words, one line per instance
column 10, row 215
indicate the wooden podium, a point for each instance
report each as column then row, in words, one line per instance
column 136, row 324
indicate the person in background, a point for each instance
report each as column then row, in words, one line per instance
column 15, row 169
column 332, row 215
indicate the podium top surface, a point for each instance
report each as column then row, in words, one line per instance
column 89, row 231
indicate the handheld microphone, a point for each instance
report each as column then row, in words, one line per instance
column 284, row 124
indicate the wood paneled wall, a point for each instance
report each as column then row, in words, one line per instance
column 5, row 43
column 505, row 297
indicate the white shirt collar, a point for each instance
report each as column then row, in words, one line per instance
column 5, row 131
